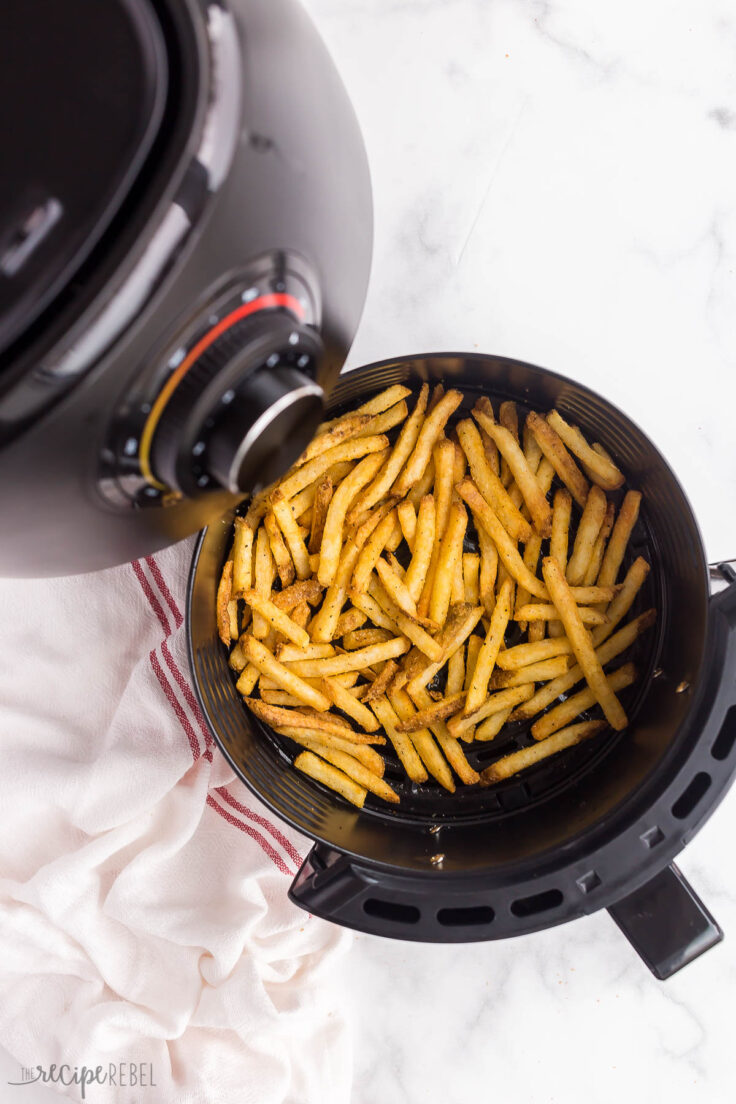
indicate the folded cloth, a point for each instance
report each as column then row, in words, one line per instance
column 143, row 908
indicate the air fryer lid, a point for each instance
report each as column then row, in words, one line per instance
column 83, row 86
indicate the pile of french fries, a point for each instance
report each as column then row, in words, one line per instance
column 429, row 587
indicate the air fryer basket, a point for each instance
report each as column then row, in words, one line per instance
column 584, row 830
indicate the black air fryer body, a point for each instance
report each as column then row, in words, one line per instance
column 185, row 238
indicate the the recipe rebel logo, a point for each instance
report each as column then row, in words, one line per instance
column 123, row 1075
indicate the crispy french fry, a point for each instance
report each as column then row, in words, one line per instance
column 403, row 745
column 471, row 577
column 573, row 706
column 488, row 485
column 423, row 741
column 558, row 546
column 376, row 405
column 450, row 746
column 348, row 679
column 423, row 545
column 450, row 552
column 279, row 551
column 291, row 533
column 554, row 449
column 306, row 590
column 582, row 644
column 232, row 616
column 488, row 570
column 332, row 535
column 475, row 643
column 602, row 470
column 527, row 757
column 486, row 660
column 276, row 618
column 457, row 590
column 460, row 623
column 491, row 726
column 279, row 697
column 342, row 431
column 532, row 451
column 351, row 619
column 616, row 548
column 309, row 763
column 535, row 672
column 423, row 486
column 507, row 550
column 406, row 625
column 242, row 556
column 588, row 530
column 365, row 754
column 370, row 607
column 320, row 721
column 267, row 664
column 287, row 653
column 348, row 450
column 371, row 550
column 509, row 420
column 395, row 587
column 224, row 590
column 322, row 499
column 359, row 773
column 532, row 550
column 599, row 547
column 248, row 679
column 461, row 464
column 433, row 425
column 492, row 703
column 363, row 638
column 264, row 574
column 535, row 499
column 565, row 681
column 387, row 475
column 623, row 601
column 444, row 469
column 541, row 612
column 351, row 661
column 437, row 711
column 348, row 703
column 524, row 654
column 407, row 516
column 455, row 672
column 380, row 683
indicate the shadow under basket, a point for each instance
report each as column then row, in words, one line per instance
column 595, row 827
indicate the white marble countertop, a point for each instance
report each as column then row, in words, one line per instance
column 554, row 181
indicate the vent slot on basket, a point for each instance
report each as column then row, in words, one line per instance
column 465, row 917
column 726, row 738
column 539, row 902
column 694, row 793
column 392, row 911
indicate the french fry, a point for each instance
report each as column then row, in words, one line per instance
column 385, row 420
column 276, row 618
column 444, row 469
column 623, row 601
column 224, row 590
column 589, row 595
column 492, row 703
column 581, row 643
column 351, row 661
column 267, row 664
column 488, row 571
column 475, row 643
column 407, row 516
column 348, row 703
column 461, row 464
column 403, row 745
column 558, row 545
column 437, row 711
column 363, row 638
column 242, row 557
column 565, row 681
column 423, row 486
column 488, row 485
column 395, row 587
column 355, row 770
column 406, row 625
column 313, row 740
column 616, row 548
column 573, row 706
column 486, row 660
column 348, row 679
column 342, row 431
column 532, row 551
column 437, row 393
column 554, row 449
column 387, row 475
column 279, row 697
column 491, row 726
column 423, row 545
column 380, row 683
column 248, row 679
column 450, row 552
column 535, row 499
column 287, row 653
column 455, row 672
column 522, row 655
column 423, row 741
column 279, row 551
column 232, row 616
column 370, row 607
column 292, row 536
column 320, row 721
column 351, row 619
column 509, row 420
column 588, row 529
column 460, row 623
column 536, row 672
column 371, row 550
column 599, row 547
column 322, row 499
column 507, row 550
column 347, row 450
column 309, row 763
column 305, row 499
column 540, row 612
column 450, row 746
column 433, row 425
column 332, row 535
column 602, row 470
column 376, row 405
column 471, row 575
column 264, row 574
column 306, row 590
column 527, row 757
column 532, row 451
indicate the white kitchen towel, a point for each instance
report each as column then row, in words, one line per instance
column 143, row 908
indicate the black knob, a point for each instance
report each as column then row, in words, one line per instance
column 244, row 410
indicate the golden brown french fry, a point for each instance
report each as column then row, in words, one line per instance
column 385, row 420
column 599, row 547
column 527, row 757
column 351, row 619
column 309, row 763
column 363, row 638
column 423, row 741
column 502, row 699
column 292, row 535
column 444, row 468
column 450, row 746
column 560, row 527
column 423, row 486
column 264, row 574
column 342, row 431
column 588, row 529
column 406, row 626
column 348, row 703
column 395, row 587
column 267, row 664
column 279, row 551
column 355, row 770
column 536, row 631
column 522, row 655
column 348, row 679
column 602, row 470
column 352, row 661
column 306, row 590
column 507, row 550
column 461, row 464
column 457, row 589
column 418, row 568
column 535, row 499
column 471, row 577
column 407, row 516
column 532, row 550
column 455, row 672
column 232, row 615
column 332, row 535
column 475, row 643
column 279, row 697
column 275, row 716
column 400, row 453
column 616, row 548
column 486, row 660
column 248, row 679
column 437, row 711
column 540, row 612
column 429, row 433
column 554, row 449
column 623, row 601
column 403, row 745
column 348, row 450
column 491, row 726
column 380, row 683
column 536, row 672
column 370, row 607
column 589, row 595
column 371, row 550
column 450, row 552
column 242, row 556
column 305, row 499
column 276, row 618
column 581, row 643
column 489, row 485
column 376, row 405
column 223, row 598
column 287, row 653
column 322, row 499
column 573, row 706
column 564, row 682
column 532, row 451
column 460, row 623
column 488, row 571
column 365, row 754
